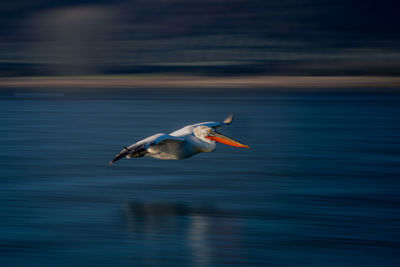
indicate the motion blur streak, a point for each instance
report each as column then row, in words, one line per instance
column 206, row 37
column 319, row 186
column 314, row 86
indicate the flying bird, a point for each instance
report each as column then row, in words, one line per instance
column 181, row 144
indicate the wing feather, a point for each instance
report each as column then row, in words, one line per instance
column 189, row 129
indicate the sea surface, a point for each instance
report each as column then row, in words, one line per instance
column 319, row 186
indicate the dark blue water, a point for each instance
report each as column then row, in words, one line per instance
column 320, row 185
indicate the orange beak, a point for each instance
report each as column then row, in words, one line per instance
column 225, row 140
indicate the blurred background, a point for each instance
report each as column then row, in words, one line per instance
column 224, row 37
column 314, row 89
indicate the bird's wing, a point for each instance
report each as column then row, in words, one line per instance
column 138, row 149
column 189, row 129
column 166, row 145
column 164, row 139
column 228, row 120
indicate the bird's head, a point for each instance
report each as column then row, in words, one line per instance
column 209, row 135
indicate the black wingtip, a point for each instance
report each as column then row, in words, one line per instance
column 119, row 156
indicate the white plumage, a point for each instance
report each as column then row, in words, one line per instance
column 181, row 144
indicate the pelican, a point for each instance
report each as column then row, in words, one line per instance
column 181, row 144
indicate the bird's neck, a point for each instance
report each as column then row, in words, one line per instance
column 207, row 146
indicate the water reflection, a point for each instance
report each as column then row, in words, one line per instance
column 318, row 188
column 202, row 231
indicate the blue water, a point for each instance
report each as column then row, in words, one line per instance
column 320, row 185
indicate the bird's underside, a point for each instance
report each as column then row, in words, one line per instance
column 181, row 144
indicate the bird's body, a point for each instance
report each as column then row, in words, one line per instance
column 180, row 144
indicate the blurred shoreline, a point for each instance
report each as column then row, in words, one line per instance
column 280, row 83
